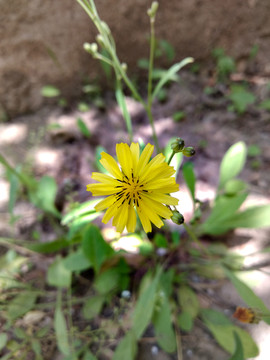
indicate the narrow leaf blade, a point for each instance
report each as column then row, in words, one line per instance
column 144, row 307
column 190, row 178
column 171, row 72
column 61, row 333
column 127, row 348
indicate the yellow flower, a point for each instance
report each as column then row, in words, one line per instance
column 138, row 183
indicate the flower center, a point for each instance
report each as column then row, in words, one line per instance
column 130, row 190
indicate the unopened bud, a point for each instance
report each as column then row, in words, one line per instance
column 153, row 10
column 188, row 151
column 90, row 48
column 177, row 218
column 100, row 40
column 105, row 27
column 177, row 145
column 124, row 66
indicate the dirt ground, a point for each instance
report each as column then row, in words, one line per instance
column 68, row 156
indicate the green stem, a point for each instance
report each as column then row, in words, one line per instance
column 122, row 103
column 195, row 239
column 27, row 182
column 151, row 120
column 148, row 106
column 86, row 8
column 151, row 59
column 170, row 158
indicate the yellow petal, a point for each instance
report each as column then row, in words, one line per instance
column 135, row 154
column 111, row 211
column 157, row 207
column 147, row 227
column 167, row 189
column 110, row 165
column 145, row 157
column 153, row 217
column 131, row 221
column 105, row 203
column 124, row 157
column 101, row 189
column 121, row 217
column 160, row 171
column 160, row 183
column 104, row 178
column 162, row 198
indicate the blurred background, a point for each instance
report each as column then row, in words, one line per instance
column 41, row 42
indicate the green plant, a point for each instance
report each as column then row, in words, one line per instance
column 225, row 65
column 105, row 42
column 50, row 91
column 86, row 272
column 241, row 98
column 265, row 105
column 179, row 116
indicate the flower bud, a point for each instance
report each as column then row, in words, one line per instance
column 105, row 27
column 177, row 145
column 177, row 218
column 153, row 10
column 100, row 40
column 188, row 151
column 91, row 48
column 124, row 66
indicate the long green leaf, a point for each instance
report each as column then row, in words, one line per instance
column 168, row 75
column 50, row 247
column 145, row 306
column 78, row 224
column 232, row 163
column 190, row 178
column 13, row 191
column 250, row 298
column 254, row 217
column 224, row 208
column 238, row 352
column 127, row 348
column 87, row 207
column 27, row 181
column 60, row 327
column 162, row 321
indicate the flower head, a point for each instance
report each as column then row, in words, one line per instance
column 247, row 315
column 138, row 183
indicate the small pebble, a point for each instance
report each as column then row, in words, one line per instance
column 189, row 353
column 154, row 350
column 126, row 294
column 162, row 251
